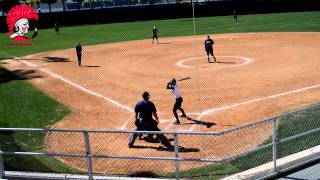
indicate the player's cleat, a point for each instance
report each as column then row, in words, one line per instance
column 176, row 122
column 183, row 115
column 140, row 136
column 170, row 148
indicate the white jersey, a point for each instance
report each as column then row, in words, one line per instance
column 176, row 91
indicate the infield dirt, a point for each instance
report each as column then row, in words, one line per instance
column 259, row 75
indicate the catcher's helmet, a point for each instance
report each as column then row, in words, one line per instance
column 145, row 95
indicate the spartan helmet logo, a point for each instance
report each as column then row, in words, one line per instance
column 18, row 21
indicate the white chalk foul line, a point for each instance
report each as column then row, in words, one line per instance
column 78, row 86
column 182, row 65
column 207, row 112
column 213, row 110
column 122, row 127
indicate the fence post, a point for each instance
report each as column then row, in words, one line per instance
column 88, row 154
column 1, row 167
column 176, row 150
column 275, row 143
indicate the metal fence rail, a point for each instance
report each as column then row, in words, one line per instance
column 86, row 151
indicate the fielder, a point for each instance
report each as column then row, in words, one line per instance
column 155, row 34
column 79, row 53
column 208, row 45
column 56, row 27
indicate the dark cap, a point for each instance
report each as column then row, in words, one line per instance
column 145, row 95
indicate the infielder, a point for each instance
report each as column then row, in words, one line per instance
column 177, row 105
column 79, row 51
column 208, row 43
column 155, row 34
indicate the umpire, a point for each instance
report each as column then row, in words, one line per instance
column 144, row 111
column 79, row 51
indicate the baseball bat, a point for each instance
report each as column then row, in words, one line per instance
column 182, row 79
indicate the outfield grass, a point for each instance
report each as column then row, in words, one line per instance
column 22, row 105
column 107, row 33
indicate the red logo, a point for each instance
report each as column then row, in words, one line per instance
column 18, row 22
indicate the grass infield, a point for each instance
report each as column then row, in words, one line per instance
column 22, row 105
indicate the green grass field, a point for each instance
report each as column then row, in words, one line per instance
column 22, row 105
column 107, row 33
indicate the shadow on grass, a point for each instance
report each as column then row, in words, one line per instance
column 4, row 58
column 7, row 76
column 17, row 163
column 56, row 59
column 143, row 174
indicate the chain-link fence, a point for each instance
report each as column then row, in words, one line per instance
column 194, row 154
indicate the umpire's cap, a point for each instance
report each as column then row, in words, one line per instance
column 145, row 95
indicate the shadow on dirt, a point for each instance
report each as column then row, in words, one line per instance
column 200, row 122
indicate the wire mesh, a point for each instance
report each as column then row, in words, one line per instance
column 64, row 142
column 133, row 167
column 298, row 122
column 21, row 141
column 230, row 152
column 48, row 164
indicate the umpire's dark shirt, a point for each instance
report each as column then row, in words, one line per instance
column 145, row 109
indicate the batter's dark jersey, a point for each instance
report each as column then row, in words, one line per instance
column 208, row 44
column 145, row 110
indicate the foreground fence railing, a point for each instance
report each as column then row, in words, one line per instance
column 194, row 154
